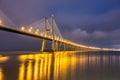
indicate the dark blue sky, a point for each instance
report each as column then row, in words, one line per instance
column 90, row 22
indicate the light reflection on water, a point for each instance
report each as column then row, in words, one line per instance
column 61, row 66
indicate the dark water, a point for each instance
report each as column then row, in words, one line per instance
column 61, row 66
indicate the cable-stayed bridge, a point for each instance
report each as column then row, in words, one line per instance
column 45, row 29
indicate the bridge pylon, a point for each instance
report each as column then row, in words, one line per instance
column 45, row 33
column 53, row 34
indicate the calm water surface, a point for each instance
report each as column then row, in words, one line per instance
column 61, row 66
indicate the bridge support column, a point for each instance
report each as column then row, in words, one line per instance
column 70, row 47
column 67, row 47
column 59, row 46
column 53, row 34
column 44, row 33
column 64, row 47
column 43, row 45
column 56, row 46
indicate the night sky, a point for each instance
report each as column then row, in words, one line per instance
column 89, row 22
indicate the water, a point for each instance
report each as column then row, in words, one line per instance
column 60, row 66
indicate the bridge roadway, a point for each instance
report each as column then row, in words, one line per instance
column 13, row 30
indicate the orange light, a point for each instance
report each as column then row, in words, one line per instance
column 3, row 59
column 41, row 34
column 22, row 28
column 49, row 36
column 29, row 30
column 0, row 22
column 31, row 27
column 37, row 31
column 45, row 35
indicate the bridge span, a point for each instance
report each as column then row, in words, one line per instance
column 58, row 43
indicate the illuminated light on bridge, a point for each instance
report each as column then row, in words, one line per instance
column 110, row 49
column 105, row 49
column 37, row 31
column 0, row 22
column 45, row 35
column 30, row 29
column 22, row 28
column 61, row 39
column 56, row 38
column 49, row 36
column 3, row 59
column 41, row 34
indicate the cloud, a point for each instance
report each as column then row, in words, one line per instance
column 96, row 38
column 104, row 22
column 79, row 33
column 97, row 30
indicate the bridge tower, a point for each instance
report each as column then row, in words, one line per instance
column 53, row 46
column 44, row 33
column 53, row 33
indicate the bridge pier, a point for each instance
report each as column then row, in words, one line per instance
column 67, row 47
column 59, row 46
column 56, row 46
column 64, row 47
column 43, row 45
column 53, row 34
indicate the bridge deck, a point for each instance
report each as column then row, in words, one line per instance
column 13, row 30
column 5, row 28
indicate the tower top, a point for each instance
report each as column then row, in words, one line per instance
column 52, row 15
